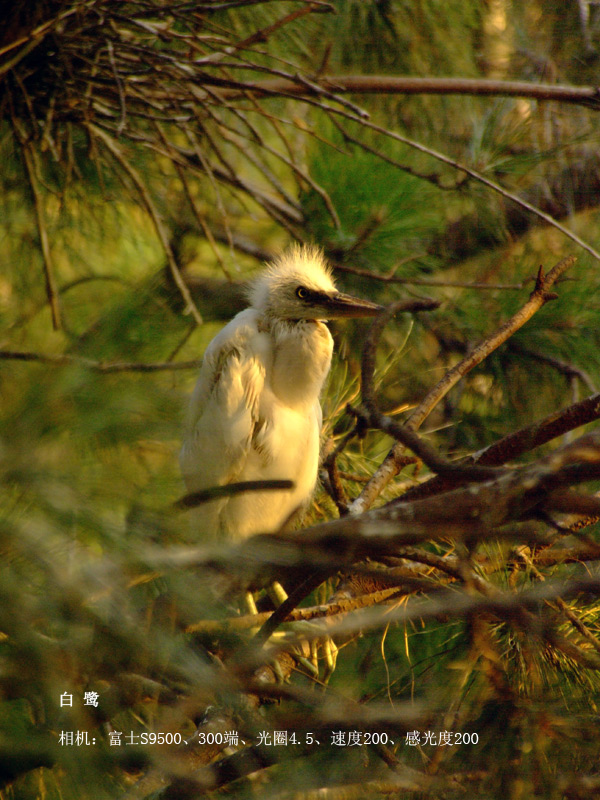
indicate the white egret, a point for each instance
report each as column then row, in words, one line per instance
column 255, row 412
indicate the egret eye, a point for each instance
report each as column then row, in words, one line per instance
column 302, row 293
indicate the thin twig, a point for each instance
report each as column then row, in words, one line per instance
column 63, row 359
column 564, row 367
column 391, row 278
column 50, row 280
column 142, row 189
column 480, row 178
column 194, row 205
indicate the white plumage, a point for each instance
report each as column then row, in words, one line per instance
column 255, row 412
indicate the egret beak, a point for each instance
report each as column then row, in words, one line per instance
column 345, row 305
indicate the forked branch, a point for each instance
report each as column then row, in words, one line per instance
column 389, row 468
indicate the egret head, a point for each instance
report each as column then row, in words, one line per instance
column 299, row 285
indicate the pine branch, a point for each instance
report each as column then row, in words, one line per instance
column 389, row 468
column 588, row 96
column 518, row 443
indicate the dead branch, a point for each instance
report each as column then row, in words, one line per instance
column 472, row 513
column 389, row 468
column 449, row 603
column 516, row 444
column 405, row 434
column 249, row 621
column 588, row 96
column 538, row 298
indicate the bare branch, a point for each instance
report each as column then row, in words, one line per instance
column 516, row 444
column 250, row 621
column 539, row 297
column 452, row 604
column 389, row 468
column 391, row 84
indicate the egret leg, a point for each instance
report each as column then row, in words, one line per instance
column 330, row 652
column 250, row 608
column 249, row 603
column 277, row 593
column 310, row 662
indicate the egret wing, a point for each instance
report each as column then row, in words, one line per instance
column 224, row 410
